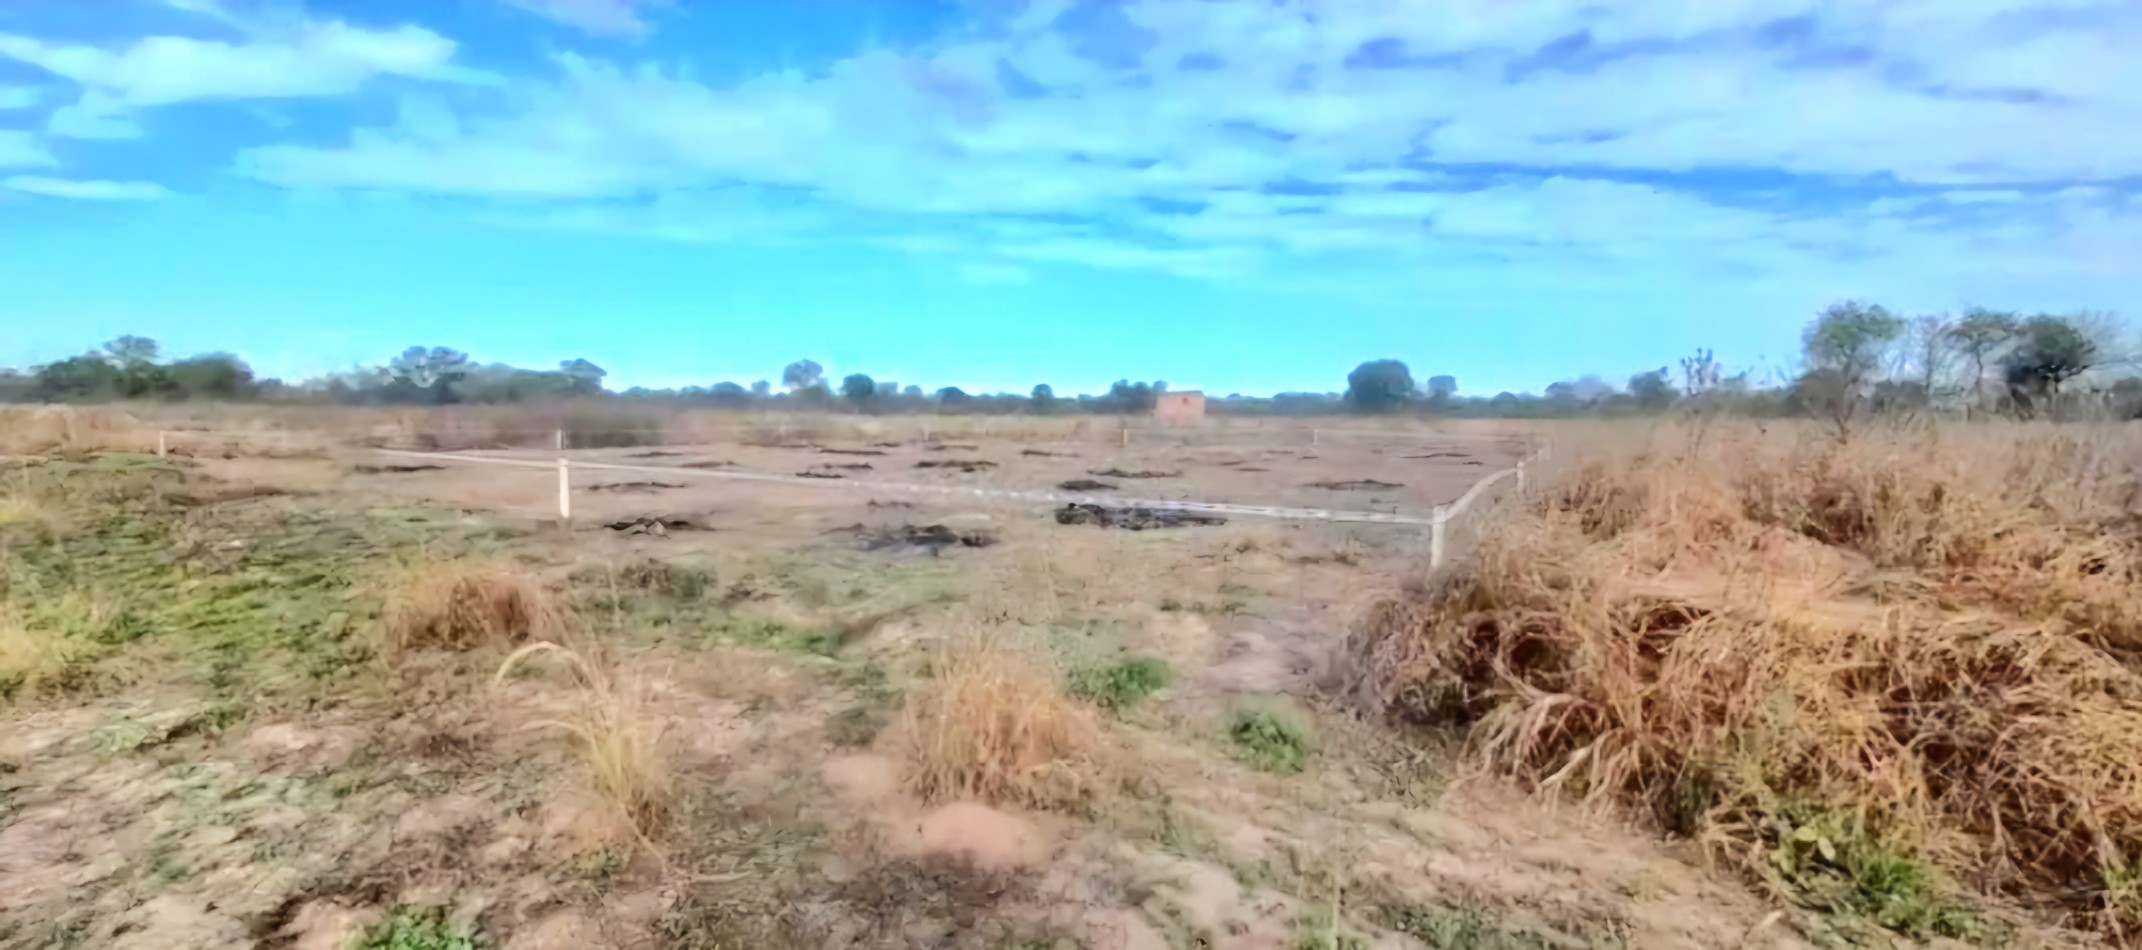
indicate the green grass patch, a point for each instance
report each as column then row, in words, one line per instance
column 1123, row 684
column 765, row 632
column 1444, row 927
column 1270, row 737
column 419, row 928
column 1835, row 864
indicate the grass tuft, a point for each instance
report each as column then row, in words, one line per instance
column 464, row 604
column 624, row 743
column 990, row 723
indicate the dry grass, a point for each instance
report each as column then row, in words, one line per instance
column 32, row 658
column 462, row 604
column 991, row 723
column 624, row 742
column 1927, row 641
column 63, row 430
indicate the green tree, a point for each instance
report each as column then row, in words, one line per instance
column 1843, row 351
column 1652, row 391
column 585, row 377
column 858, row 388
column 802, row 374
column 1379, row 386
column 1043, row 398
column 2048, row 351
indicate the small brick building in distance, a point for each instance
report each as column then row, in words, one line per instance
column 1179, row 408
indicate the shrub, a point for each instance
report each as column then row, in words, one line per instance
column 1122, row 684
column 625, row 744
column 1936, row 633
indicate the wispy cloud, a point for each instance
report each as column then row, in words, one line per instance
column 86, row 190
column 19, row 97
column 606, row 17
column 19, row 149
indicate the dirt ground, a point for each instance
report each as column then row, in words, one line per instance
column 241, row 768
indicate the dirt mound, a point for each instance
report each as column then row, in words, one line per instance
column 1041, row 453
column 964, row 465
column 633, row 488
column 827, row 451
column 658, row 454
column 1438, row 455
column 1085, row 484
column 1119, row 473
column 658, row 525
column 1359, row 484
column 815, row 473
column 1134, row 518
column 848, row 467
column 931, row 537
column 395, row 469
column 710, row 463
column 1864, row 670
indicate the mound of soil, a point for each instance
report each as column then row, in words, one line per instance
column 819, row 474
column 1134, row 518
column 964, row 465
column 1039, row 453
column 949, row 446
column 395, row 469
column 1439, row 455
column 633, row 488
column 849, row 452
column 657, row 454
column 847, row 467
column 658, row 525
column 891, row 504
column 710, row 463
column 933, row 537
column 1119, row 473
column 1359, row 484
column 1085, row 484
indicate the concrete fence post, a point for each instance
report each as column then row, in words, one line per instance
column 557, row 440
column 1315, row 435
column 159, row 444
column 1435, row 537
column 565, row 491
column 1124, row 434
column 1520, row 478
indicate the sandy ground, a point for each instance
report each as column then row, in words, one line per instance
column 125, row 822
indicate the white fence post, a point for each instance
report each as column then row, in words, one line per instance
column 1314, row 435
column 558, row 440
column 565, row 492
column 1520, row 478
column 1435, row 537
column 1125, row 432
column 159, row 444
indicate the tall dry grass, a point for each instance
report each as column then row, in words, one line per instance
column 1930, row 638
column 70, row 431
column 991, row 723
column 622, row 739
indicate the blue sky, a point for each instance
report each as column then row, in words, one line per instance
column 1238, row 195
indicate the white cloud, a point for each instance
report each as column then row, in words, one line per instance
column 319, row 59
column 612, row 17
column 19, row 97
column 24, row 150
column 86, row 190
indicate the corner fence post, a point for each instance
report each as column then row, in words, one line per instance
column 565, row 492
column 1435, row 537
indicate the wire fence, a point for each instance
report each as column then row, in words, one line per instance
column 1440, row 521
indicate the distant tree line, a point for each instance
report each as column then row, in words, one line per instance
column 1856, row 361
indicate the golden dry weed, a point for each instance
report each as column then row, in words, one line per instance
column 623, row 741
column 462, row 604
column 1936, row 634
column 991, row 723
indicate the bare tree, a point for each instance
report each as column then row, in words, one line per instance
column 1980, row 336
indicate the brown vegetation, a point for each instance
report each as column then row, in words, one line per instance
column 991, row 723
column 463, row 604
column 1835, row 660
column 625, row 744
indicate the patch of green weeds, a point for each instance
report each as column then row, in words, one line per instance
column 1321, row 928
column 419, row 928
column 1123, row 684
column 602, row 865
column 1834, row 863
column 761, row 631
column 1270, row 737
column 1444, row 927
column 2123, row 893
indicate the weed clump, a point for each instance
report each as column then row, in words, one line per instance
column 1123, row 684
column 991, row 724
column 419, row 928
column 456, row 606
column 1270, row 738
column 1937, row 634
